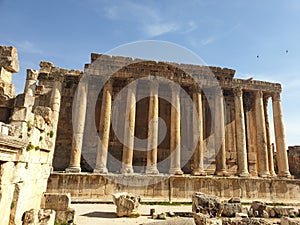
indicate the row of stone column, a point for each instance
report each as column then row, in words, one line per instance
column 264, row 153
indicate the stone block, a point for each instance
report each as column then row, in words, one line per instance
column 56, row 201
column 201, row 219
column 5, row 75
column 44, row 112
column 9, row 58
column 127, row 204
column 206, row 204
column 65, row 216
column 38, row 217
column 288, row 221
column 230, row 209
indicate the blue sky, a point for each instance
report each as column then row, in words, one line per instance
column 223, row 33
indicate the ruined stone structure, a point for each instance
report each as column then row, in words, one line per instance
column 44, row 130
column 238, row 114
column 28, row 127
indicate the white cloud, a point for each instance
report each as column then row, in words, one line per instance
column 27, row 47
column 153, row 30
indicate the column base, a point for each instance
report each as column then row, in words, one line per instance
column 199, row 172
column 73, row 169
column 264, row 174
column 101, row 170
column 244, row 174
column 284, row 174
column 152, row 170
column 273, row 174
column 176, row 171
column 222, row 173
column 127, row 170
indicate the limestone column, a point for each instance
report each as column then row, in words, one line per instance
column 152, row 129
column 30, row 85
column 281, row 149
column 175, row 132
column 261, row 137
column 79, row 114
column 219, row 127
column 104, row 129
column 198, row 169
column 268, row 135
column 127, row 156
column 55, row 101
column 240, row 133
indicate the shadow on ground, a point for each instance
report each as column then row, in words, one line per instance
column 101, row 214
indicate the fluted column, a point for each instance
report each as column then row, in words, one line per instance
column 104, row 129
column 152, row 129
column 268, row 135
column 128, row 146
column 240, row 133
column 219, row 127
column 261, row 137
column 78, row 128
column 198, row 169
column 281, row 149
column 175, row 132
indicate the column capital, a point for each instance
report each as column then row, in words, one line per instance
column 276, row 96
column 238, row 92
column 259, row 94
column 32, row 74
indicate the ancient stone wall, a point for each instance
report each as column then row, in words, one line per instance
column 27, row 137
column 99, row 188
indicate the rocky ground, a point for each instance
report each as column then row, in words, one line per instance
column 105, row 214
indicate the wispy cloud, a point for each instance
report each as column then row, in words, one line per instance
column 27, row 47
column 153, row 30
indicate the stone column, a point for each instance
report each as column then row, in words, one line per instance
column 129, row 131
column 219, row 126
column 268, row 135
column 261, row 137
column 175, row 132
column 55, row 101
column 240, row 133
column 281, row 149
column 152, row 129
column 104, row 129
column 78, row 127
column 198, row 169
column 31, row 78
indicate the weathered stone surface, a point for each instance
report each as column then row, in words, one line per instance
column 56, row 201
column 127, row 204
column 9, row 58
column 230, row 209
column 44, row 112
column 244, row 221
column 64, row 216
column 288, row 221
column 39, row 217
column 294, row 160
column 258, row 209
column 202, row 219
column 206, row 204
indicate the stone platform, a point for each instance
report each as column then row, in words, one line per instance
column 88, row 187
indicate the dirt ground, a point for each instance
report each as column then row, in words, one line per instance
column 104, row 214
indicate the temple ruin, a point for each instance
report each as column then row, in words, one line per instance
column 65, row 134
